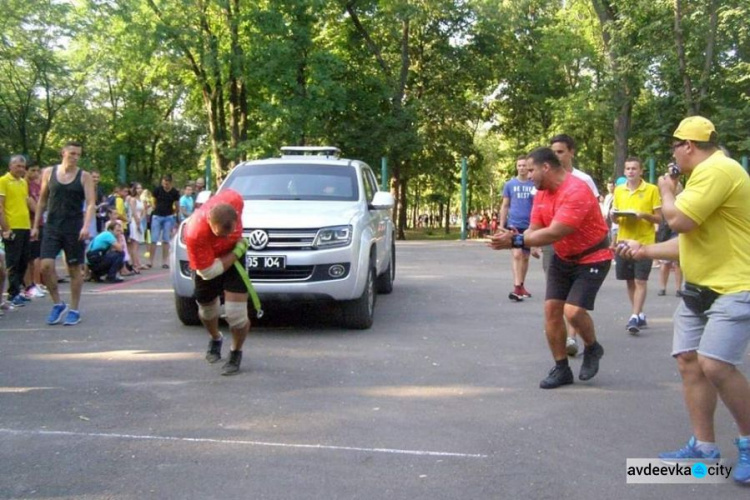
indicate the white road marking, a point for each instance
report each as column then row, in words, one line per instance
column 241, row 442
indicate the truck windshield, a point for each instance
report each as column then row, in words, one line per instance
column 295, row 182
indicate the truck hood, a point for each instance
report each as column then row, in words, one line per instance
column 297, row 214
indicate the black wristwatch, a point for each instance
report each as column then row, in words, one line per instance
column 517, row 241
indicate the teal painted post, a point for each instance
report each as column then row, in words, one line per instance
column 744, row 162
column 384, row 174
column 123, row 173
column 464, row 182
column 208, row 173
column 651, row 170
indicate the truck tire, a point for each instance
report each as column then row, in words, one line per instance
column 358, row 313
column 385, row 281
column 187, row 310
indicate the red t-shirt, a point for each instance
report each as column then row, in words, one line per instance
column 203, row 246
column 574, row 205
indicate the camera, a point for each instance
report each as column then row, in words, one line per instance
column 673, row 170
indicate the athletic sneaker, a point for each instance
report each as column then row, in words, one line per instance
column 35, row 292
column 556, row 377
column 571, row 346
column 742, row 467
column 19, row 300
column 632, row 325
column 690, row 452
column 525, row 293
column 56, row 314
column 232, row 367
column 72, row 318
column 642, row 322
column 661, row 293
column 7, row 306
column 213, row 354
column 516, row 295
column 591, row 356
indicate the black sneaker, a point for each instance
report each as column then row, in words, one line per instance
column 515, row 296
column 556, row 377
column 232, row 367
column 214, row 350
column 590, row 366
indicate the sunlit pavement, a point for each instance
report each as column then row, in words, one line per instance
column 439, row 399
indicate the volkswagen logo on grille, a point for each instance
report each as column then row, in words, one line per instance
column 258, row 239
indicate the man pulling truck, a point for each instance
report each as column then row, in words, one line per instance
column 213, row 236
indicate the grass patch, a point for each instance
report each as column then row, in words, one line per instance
column 437, row 234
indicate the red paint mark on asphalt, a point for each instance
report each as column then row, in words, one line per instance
column 117, row 286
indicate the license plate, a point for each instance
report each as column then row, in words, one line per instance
column 266, row 262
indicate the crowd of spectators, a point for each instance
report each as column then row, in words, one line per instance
column 121, row 243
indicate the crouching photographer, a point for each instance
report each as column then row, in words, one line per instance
column 106, row 255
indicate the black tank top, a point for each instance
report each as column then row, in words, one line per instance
column 65, row 203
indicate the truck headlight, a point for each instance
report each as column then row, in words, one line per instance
column 335, row 236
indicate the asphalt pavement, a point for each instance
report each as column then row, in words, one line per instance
column 439, row 400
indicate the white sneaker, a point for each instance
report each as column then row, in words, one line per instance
column 36, row 292
column 571, row 346
column 7, row 306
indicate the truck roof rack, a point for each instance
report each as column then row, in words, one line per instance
column 311, row 150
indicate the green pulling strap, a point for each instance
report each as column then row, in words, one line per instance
column 250, row 288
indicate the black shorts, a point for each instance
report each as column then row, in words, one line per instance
column 576, row 284
column 231, row 281
column 55, row 240
column 628, row 269
column 35, row 246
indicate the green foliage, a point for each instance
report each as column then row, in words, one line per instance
column 169, row 83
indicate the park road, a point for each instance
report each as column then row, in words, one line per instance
column 439, row 400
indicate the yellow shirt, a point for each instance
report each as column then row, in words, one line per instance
column 122, row 211
column 717, row 198
column 644, row 199
column 16, row 193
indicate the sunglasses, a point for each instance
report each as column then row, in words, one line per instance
column 676, row 145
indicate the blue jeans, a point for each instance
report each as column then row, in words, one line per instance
column 161, row 228
column 110, row 264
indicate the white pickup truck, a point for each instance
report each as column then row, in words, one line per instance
column 317, row 228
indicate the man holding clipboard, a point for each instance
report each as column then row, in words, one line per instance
column 636, row 208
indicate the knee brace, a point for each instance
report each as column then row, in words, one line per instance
column 236, row 314
column 210, row 311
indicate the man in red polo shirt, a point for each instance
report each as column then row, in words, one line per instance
column 213, row 236
column 566, row 214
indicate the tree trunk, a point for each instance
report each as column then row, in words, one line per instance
column 396, row 190
column 710, row 48
column 402, row 210
column 448, row 215
column 693, row 102
column 622, row 131
column 237, row 92
column 687, row 84
column 623, row 94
